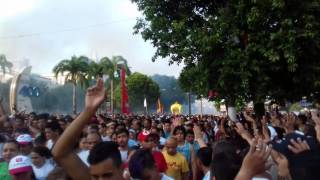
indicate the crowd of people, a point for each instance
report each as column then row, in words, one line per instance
column 158, row 147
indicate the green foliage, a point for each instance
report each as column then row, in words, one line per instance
column 76, row 68
column 248, row 49
column 140, row 86
column 170, row 91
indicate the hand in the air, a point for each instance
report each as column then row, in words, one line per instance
column 95, row 95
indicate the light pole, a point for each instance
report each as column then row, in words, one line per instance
column 189, row 102
column 115, row 74
column 201, row 106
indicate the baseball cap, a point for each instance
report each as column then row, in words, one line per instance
column 24, row 139
column 20, row 164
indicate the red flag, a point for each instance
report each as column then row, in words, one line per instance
column 124, row 92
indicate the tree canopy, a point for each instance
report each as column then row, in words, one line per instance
column 238, row 48
column 141, row 86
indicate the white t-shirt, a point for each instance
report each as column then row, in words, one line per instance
column 105, row 138
column 42, row 172
column 165, row 177
column 83, row 155
column 207, row 176
column 49, row 144
column 124, row 156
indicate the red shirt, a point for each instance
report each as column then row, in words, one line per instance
column 142, row 135
column 160, row 161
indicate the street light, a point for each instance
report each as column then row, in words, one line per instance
column 115, row 74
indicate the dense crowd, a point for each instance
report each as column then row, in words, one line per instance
column 158, row 147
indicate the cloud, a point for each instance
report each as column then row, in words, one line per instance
column 49, row 31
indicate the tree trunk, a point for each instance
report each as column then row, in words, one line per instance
column 74, row 99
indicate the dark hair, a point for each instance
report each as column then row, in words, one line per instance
column 189, row 132
column 204, row 154
column 103, row 151
column 13, row 142
column 154, row 137
column 179, row 128
column 94, row 126
column 42, row 151
column 54, row 126
column 122, row 130
column 40, row 140
column 225, row 161
column 142, row 159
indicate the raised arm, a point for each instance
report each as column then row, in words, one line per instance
column 62, row 150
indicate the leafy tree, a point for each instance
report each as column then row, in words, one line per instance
column 170, row 91
column 140, row 86
column 247, row 49
column 76, row 69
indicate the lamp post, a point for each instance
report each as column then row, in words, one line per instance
column 115, row 74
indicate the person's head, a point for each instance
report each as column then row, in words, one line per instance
column 20, row 168
column 18, row 123
column 142, row 166
column 93, row 139
column 62, row 123
column 179, row 132
column 42, row 121
column 204, row 157
column 83, row 143
column 302, row 119
column 167, row 126
column 147, row 123
column 114, row 137
column 122, row 137
column 93, row 128
column 53, row 130
column 225, row 160
column 171, row 146
column 190, row 136
column 39, row 155
column 105, row 161
column 25, row 144
column 110, row 128
column 10, row 149
column 151, row 141
column 132, row 134
column 102, row 129
column 135, row 125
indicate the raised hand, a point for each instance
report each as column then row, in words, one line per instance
column 243, row 132
column 95, row 95
column 197, row 132
column 282, row 163
column 298, row 146
column 255, row 161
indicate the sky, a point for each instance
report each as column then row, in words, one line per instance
column 43, row 32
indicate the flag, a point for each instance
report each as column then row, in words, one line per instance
column 145, row 102
column 159, row 106
column 124, row 92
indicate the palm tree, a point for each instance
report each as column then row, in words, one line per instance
column 4, row 64
column 76, row 69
